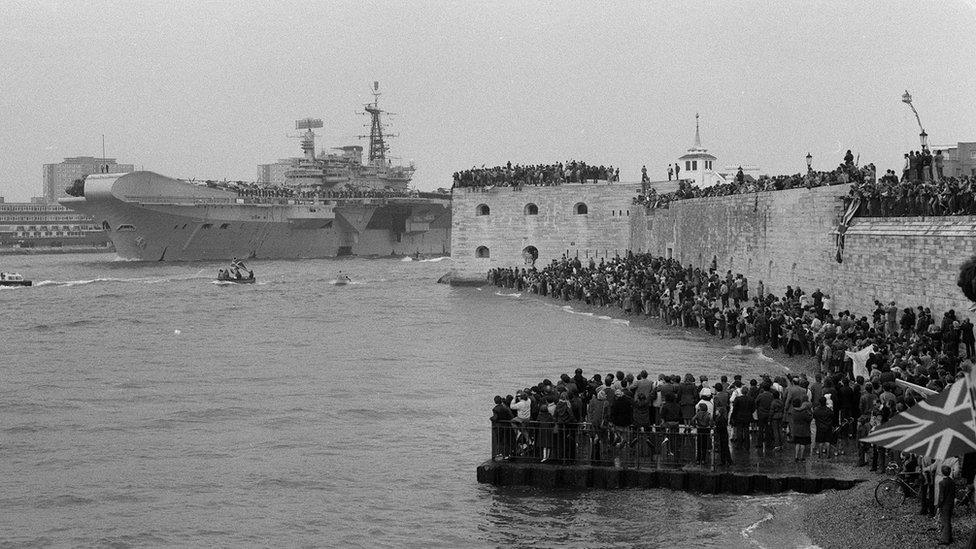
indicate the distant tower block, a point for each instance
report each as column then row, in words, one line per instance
column 308, row 138
column 696, row 164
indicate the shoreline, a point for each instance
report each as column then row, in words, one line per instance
column 851, row 518
column 798, row 363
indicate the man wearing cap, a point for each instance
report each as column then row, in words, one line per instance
column 706, row 399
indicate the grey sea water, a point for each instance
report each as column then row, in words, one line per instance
column 143, row 405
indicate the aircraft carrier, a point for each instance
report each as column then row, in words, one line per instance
column 329, row 205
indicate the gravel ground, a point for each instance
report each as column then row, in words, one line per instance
column 852, row 518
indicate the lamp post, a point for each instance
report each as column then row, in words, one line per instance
column 924, row 137
column 809, row 162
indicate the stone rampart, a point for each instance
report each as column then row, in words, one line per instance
column 778, row 237
column 790, row 238
column 496, row 227
column 909, row 260
column 782, row 238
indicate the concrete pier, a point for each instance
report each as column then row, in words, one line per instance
column 702, row 481
column 752, row 472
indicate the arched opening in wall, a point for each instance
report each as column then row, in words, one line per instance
column 482, row 209
column 529, row 255
column 580, row 209
column 793, row 274
column 769, row 272
column 482, row 252
column 531, row 209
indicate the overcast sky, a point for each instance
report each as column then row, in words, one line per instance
column 211, row 89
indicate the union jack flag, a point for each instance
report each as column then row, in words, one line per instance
column 939, row 427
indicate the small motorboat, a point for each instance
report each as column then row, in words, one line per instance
column 14, row 279
column 234, row 277
column 342, row 280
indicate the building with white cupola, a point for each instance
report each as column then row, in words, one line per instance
column 697, row 165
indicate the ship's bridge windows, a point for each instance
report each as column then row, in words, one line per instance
column 580, row 209
column 531, row 209
column 482, row 252
column 126, row 227
column 482, row 209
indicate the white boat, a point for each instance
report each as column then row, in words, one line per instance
column 14, row 279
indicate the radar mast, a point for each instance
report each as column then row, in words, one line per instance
column 377, row 143
column 308, row 138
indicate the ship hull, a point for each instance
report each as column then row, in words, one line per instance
column 153, row 218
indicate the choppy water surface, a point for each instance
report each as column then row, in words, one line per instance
column 141, row 404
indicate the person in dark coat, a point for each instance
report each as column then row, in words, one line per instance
column 947, row 490
column 501, row 418
column 621, row 415
column 565, row 429
column 687, row 398
column 545, row 425
column 722, row 435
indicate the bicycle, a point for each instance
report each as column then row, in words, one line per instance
column 892, row 491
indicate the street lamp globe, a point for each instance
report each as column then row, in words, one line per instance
column 809, row 161
column 925, row 140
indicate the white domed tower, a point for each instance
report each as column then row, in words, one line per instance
column 697, row 165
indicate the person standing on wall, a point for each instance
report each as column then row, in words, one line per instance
column 670, row 172
column 939, row 163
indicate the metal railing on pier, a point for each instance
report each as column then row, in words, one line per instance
column 660, row 447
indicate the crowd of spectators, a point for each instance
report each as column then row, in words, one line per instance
column 536, row 174
column 891, row 196
column 910, row 347
column 743, row 184
column 254, row 190
column 908, row 341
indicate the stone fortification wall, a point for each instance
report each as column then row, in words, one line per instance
column 789, row 238
column 779, row 237
column 508, row 227
column 909, row 260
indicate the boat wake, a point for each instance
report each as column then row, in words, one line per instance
column 569, row 309
column 429, row 260
column 140, row 280
column 508, row 295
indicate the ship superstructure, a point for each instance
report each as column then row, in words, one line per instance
column 345, row 170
